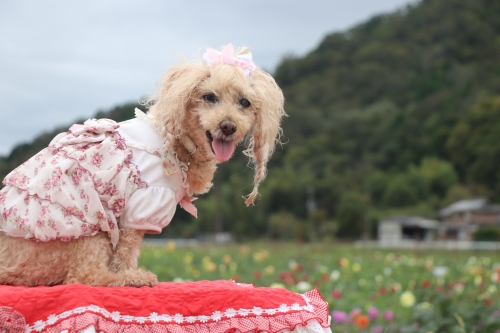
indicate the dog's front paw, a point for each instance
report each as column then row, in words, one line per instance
column 135, row 278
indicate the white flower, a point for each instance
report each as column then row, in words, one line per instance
column 115, row 315
column 296, row 306
column 154, row 317
column 191, row 319
column 204, row 319
column 141, row 320
column 334, row 275
column 217, row 315
column 439, row 271
column 39, row 325
column 52, row 319
column 257, row 311
column 243, row 312
column 303, row 286
column 230, row 313
column 283, row 308
column 178, row 318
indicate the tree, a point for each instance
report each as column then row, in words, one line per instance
column 474, row 145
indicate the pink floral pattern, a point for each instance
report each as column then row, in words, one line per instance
column 76, row 187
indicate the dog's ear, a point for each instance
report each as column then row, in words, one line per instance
column 266, row 130
column 173, row 96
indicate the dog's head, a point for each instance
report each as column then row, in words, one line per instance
column 218, row 105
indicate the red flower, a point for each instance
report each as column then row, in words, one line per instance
column 336, row 294
column 257, row 274
column 426, row 284
column 362, row 321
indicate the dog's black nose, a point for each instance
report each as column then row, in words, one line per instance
column 227, row 127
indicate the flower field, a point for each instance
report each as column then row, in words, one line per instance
column 367, row 290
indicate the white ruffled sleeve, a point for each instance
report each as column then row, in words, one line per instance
column 150, row 209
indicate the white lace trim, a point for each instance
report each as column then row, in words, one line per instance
column 312, row 326
column 177, row 318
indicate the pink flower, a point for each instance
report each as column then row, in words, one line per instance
column 118, row 205
column 21, row 222
column 339, row 317
column 355, row 312
column 377, row 329
column 96, row 159
column 389, row 315
column 56, row 176
column 77, row 176
column 7, row 213
column 373, row 313
column 67, row 211
column 52, row 224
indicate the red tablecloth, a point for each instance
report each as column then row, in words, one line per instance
column 204, row 306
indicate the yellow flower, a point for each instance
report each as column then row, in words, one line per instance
column 343, row 262
column 260, row 256
column 209, row 266
column 227, row 259
column 269, row 270
column 356, row 267
column 277, row 285
column 407, row 299
column 170, row 245
column 478, row 280
column 188, row 259
column 244, row 249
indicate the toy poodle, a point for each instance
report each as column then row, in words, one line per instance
column 77, row 211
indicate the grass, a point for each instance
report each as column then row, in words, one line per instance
column 418, row 287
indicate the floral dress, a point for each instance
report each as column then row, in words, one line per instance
column 89, row 180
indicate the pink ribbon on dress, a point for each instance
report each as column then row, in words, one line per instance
column 74, row 127
column 187, row 204
column 243, row 61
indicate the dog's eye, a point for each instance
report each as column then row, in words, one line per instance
column 210, row 98
column 244, row 102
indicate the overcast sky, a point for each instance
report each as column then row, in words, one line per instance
column 64, row 60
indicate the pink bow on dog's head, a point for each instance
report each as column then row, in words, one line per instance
column 243, row 61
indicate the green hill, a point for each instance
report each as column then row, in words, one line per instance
column 397, row 115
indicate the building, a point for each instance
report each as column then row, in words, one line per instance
column 462, row 218
column 397, row 229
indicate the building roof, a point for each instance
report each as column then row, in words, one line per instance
column 469, row 205
column 413, row 221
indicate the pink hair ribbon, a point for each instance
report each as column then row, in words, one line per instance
column 243, row 61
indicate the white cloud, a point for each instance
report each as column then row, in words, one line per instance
column 63, row 60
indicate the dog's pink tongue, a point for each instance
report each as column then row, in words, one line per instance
column 223, row 149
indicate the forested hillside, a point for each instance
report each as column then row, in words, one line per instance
column 398, row 115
